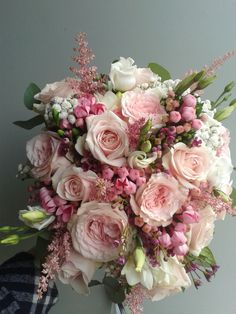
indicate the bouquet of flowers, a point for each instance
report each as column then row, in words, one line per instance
column 130, row 172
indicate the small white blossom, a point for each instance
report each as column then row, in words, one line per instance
column 63, row 115
column 66, row 105
column 74, row 102
column 57, row 100
column 56, row 107
column 71, row 118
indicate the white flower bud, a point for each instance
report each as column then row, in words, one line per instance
column 63, row 115
column 36, row 217
column 138, row 159
column 66, row 105
column 74, row 102
column 58, row 100
column 56, row 107
column 71, row 118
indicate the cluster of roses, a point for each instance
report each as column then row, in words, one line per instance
column 130, row 174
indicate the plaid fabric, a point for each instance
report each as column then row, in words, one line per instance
column 19, row 278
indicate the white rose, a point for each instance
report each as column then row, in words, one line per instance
column 201, row 233
column 169, row 278
column 125, row 75
column 122, row 74
column 220, row 174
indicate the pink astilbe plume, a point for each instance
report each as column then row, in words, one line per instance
column 134, row 132
column 219, row 204
column 135, row 299
column 59, row 250
column 87, row 82
column 218, row 62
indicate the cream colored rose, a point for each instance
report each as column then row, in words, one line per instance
column 201, row 233
column 169, row 278
column 107, row 138
column 189, row 166
column 59, row 89
column 78, row 272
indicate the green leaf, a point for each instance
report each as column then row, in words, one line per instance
column 114, row 290
column 207, row 256
column 29, row 94
column 41, row 249
column 159, row 70
column 93, row 283
column 233, row 196
column 56, row 116
column 31, row 123
column 188, row 81
column 203, row 83
column 224, row 113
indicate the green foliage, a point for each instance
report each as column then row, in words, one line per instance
column 224, row 113
column 207, row 256
column 160, row 70
column 31, row 123
column 203, row 83
column 188, row 81
column 114, row 290
column 93, row 283
column 41, row 249
column 233, row 196
column 29, row 94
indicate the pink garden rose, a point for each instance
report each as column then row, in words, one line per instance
column 139, row 104
column 78, row 272
column 96, row 231
column 43, row 154
column 201, row 233
column 73, row 184
column 59, row 89
column 188, row 165
column 158, row 200
column 107, row 138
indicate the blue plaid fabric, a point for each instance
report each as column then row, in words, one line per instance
column 19, row 278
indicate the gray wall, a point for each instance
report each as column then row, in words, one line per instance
column 36, row 45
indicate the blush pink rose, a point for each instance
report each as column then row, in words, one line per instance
column 188, row 165
column 158, row 200
column 73, row 184
column 107, row 139
column 139, row 104
column 96, row 231
column 59, row 89
column 78, row 272
column 43, row 153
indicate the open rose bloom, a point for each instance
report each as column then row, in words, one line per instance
column 131, row 172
